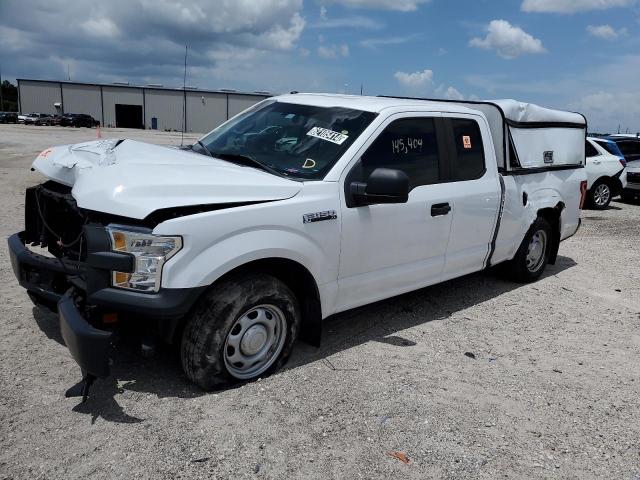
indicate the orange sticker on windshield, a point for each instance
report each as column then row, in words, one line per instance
column 466, row 141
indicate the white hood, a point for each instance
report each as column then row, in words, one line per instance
column 133, row 179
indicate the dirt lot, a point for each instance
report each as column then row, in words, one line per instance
column 553, row 391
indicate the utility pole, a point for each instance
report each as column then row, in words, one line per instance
column 1, row 98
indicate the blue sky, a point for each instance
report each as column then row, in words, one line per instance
column 574, row 54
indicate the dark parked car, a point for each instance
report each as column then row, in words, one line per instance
column 45, row 120
column 629, row 146
column 8, row 117
column 78, row 120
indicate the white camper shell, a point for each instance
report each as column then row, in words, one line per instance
column 527, row 136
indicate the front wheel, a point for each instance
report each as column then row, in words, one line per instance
column 243, row 329
column 600, row 195
column 533, row 254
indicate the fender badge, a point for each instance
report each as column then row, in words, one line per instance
column 319, row 216
column 548, row 156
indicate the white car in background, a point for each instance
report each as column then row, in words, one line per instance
column 606, row 177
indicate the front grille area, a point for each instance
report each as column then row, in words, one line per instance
column 54, row 221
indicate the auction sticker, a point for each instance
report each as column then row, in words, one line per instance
column 328, row 135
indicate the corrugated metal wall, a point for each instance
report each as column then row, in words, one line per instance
column 39, row 97
column 120, row 95
column 205, row 111
column 238, row 103
column 166, row 106
column 77, row 98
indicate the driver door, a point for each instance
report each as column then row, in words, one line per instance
column 389, row 249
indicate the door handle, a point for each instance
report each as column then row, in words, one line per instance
column 440, row 209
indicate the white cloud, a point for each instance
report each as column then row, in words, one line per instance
column 373, row 43
column 333, row 51
column 606, row 110
column 571, row 6
column 355, row 21
column 100, row 27
column 415, row 80
column 449, row 93
column 112, row 43
column 399, row 5
column 606, row 32
column 508, row 41
column 452, row 93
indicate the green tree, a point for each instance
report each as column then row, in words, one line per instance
column 9, row 97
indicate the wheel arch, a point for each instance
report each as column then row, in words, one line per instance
column 553, row 215
column 301, row 282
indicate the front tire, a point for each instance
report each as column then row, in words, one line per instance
column 241, row 330
column 533, row 254
column 600, row 195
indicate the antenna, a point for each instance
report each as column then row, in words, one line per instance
column 184, row 96
column 361, row 88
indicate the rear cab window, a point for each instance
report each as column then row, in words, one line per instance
column 466, row 149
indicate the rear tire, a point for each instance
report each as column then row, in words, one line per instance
column 241, row 330
column 533, row 254
column 600, row 195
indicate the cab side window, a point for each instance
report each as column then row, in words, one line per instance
column 467, row 155
column 410, row 145
column 590, row 150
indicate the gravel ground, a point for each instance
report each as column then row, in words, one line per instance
column 553, row 391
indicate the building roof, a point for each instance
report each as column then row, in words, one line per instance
column 151, row 86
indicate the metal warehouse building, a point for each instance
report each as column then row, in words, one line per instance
column 126, row 106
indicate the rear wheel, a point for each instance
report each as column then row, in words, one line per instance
column 243, row 329
column 600, row 195
column 533, row 254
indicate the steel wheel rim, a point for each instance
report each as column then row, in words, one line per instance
column 536, row 250
column 601, row 195
column 255, row 341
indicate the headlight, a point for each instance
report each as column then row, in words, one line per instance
column 150, row 252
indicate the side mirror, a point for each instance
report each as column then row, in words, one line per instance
column 384, row 185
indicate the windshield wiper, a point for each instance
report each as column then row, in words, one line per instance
column 245, row 160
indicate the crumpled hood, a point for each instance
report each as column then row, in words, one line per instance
column 133, row 179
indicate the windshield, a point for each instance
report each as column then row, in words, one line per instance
column 292, row 140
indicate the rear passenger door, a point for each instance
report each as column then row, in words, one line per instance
column 474, row 193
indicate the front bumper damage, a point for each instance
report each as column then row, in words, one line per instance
column 81, row 293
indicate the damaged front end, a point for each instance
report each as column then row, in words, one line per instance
column 66, row 260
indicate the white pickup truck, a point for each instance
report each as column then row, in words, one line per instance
column 301, row 207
